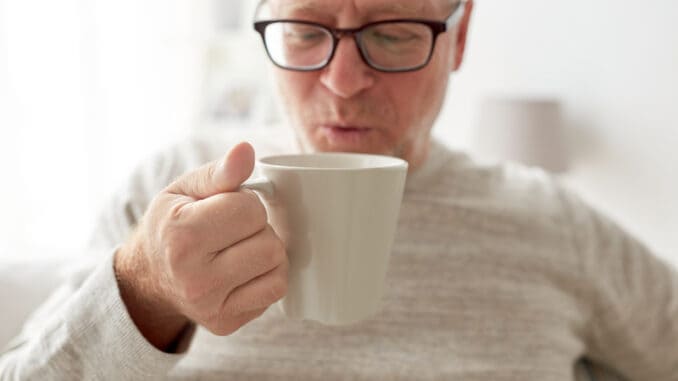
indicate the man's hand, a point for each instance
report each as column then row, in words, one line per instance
column 202, row 253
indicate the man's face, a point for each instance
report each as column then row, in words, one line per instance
column 350, row 107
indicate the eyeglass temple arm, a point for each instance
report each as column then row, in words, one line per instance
column 456, row 15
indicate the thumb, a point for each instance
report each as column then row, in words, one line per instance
column 219, row 176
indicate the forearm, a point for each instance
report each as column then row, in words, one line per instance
column 84, row 333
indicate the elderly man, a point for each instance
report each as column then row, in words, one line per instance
column 497, row 272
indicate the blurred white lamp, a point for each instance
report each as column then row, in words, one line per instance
column 524, row 130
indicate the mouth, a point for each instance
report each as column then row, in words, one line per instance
column 343, row 136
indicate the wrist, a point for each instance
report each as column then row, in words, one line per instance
column 155, row 318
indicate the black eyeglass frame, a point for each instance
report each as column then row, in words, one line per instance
column 437, row 27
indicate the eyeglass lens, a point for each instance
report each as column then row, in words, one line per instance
column 391, row 46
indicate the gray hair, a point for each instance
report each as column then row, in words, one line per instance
column 262, row 3
column 450, row 2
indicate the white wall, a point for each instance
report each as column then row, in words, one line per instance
column 87, row 90
column 614, row 65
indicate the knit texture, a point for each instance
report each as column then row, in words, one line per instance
column 497, row 273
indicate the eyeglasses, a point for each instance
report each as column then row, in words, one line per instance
column 398, row 45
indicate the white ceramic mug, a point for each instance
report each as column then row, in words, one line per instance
column 337, row 215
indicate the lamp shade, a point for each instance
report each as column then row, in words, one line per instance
column 529, row 131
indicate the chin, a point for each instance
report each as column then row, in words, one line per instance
column 369, row 143
column 324, row 146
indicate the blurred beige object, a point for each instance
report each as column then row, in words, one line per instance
column 524, row 130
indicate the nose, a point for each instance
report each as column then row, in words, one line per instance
column 347, row 75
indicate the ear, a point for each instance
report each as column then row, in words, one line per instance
column 460, row 46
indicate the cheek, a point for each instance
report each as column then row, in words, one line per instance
column 419, row 95
column 418, row 98
column 294, row 88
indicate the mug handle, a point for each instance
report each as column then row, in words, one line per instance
column 259, row 184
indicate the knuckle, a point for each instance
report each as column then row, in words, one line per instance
column 191, row 292
column 231, row 309
column 202, row 316
column 210, row 171
column 178, row 211
column 223, row 328
column 257, row 211
column 261, row 216
column 278, row 288
column 177, row 241
column 276, row 250
column 277, row 257
column 279, row 246
column 268, row 257
column 176, row 251
column 193, row 183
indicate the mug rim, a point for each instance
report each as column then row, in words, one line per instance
column 389, row 162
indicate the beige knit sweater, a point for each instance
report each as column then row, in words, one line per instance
column 497, row 273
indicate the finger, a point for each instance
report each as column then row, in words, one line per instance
column 250, row 259
column 212, row 281
column 223, row 326
column 258, row 293
column 215, row 223
column 219, row 176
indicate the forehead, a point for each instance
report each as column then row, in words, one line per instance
column 362, row 8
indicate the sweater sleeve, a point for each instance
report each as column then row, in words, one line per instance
column 632, row 297
column 83, row 332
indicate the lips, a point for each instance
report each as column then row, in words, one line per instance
column 345, row 136
column 347, row 129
